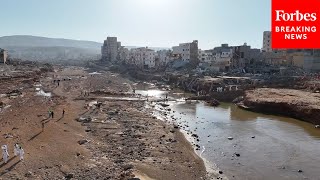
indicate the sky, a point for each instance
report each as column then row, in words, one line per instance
column 153, row 23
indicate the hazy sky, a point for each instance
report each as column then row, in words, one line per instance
column 157, row 23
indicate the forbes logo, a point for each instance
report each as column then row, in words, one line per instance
column 281, row 15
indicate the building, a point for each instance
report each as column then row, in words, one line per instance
column 205, row 56
column 164, row 57
column 266, row 47
column 187, row 52
column 306, row 59
column 241, row 56
column 3, row 56
column 143, row 57
column 124, row 54
column 109, row 50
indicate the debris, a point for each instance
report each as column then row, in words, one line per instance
column 84, row 119
column 230, row 138
column 83, row 141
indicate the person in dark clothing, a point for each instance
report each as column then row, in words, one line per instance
column 63, row 111
column 52, row 114
column 42, row 125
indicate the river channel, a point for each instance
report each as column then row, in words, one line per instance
column 262, row 146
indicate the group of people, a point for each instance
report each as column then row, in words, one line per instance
column 51, row 114
column 56, row 81
column 18, row 151
column 220, row 89
column 85, row 93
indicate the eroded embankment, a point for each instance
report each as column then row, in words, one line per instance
column 292, row 103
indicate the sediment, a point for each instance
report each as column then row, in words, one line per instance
column 112, row 140
column 298, row 104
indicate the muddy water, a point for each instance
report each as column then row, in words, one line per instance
column 270, row 147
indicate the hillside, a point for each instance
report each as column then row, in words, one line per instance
column 52, row 49
column 35, row 41
column 49, row 49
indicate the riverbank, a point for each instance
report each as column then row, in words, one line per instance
column 298, row 104
column 94, row 140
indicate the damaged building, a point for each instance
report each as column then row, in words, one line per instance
column 3, row 56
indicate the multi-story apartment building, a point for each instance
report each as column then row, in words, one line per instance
column 124, row 54
column 164, row 57
column 187, row 51
column 205, row 56
column 266, row 47
column 109, row 50
column 3, row 56
column 143, row 57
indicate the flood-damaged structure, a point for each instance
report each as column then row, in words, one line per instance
column 3, row 56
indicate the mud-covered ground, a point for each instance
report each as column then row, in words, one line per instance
column 303, row 105
column 107, row 139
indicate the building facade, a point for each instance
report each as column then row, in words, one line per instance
column 266, row 47
column 164, row 57
column 109, row 50
column 143, row 57
column 3, row 56
column 187, row 52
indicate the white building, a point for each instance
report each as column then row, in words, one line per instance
column 109, row 50
column 143, row 57
column 267, row 41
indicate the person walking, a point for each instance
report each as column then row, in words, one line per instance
column 21, row 153
column 42, row 126
column 63, row 111
column 16, row 149
column 52, row 113
column 49, row 112
column 5, row 154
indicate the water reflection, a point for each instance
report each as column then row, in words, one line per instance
column 278, row 141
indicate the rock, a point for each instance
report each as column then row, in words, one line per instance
column 127, row 167
column 84, row 119
column 69, row 176
column 28, row 174
column 238, row 100
column 83, row 141
column 220, row 172
column 237, row 154
column 164, row 105
column 230, row 138
column 111, row 113
column 253, row 137
column 195, row 135
column 214, row 102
